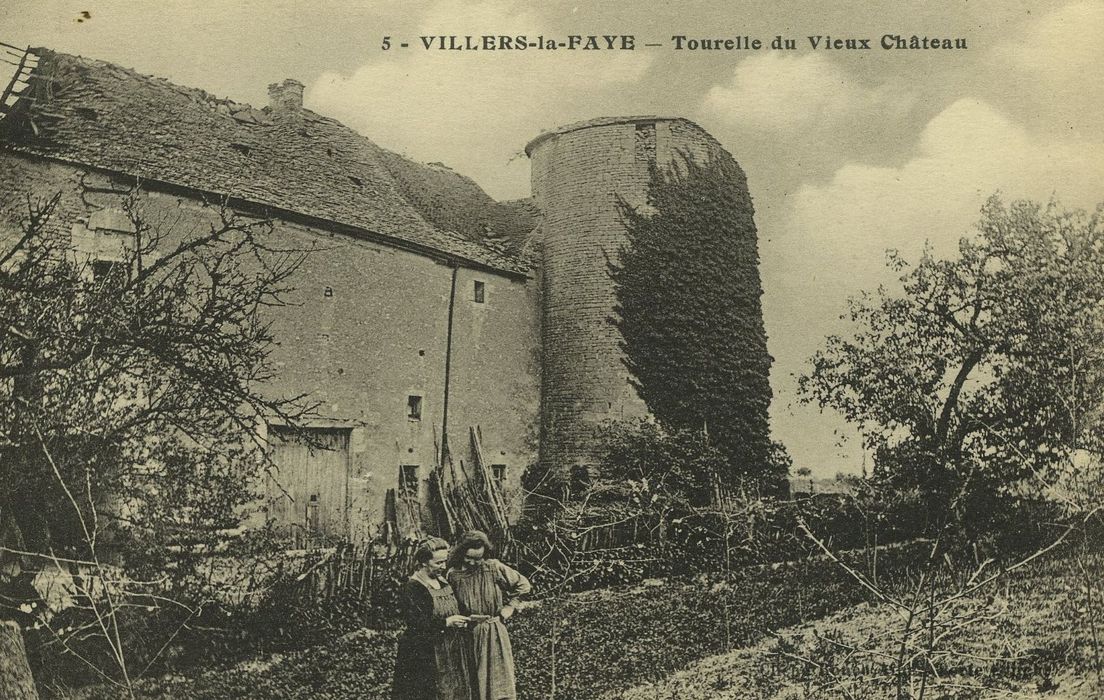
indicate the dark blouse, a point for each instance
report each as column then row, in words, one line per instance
column 418, row 609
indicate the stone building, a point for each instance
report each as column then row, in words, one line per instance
column 428, row 303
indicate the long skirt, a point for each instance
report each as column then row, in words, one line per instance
column 493, row 662
column 432, row 667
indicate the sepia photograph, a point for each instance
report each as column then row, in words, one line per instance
column 503, row 350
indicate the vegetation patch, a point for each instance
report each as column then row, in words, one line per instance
column 576, row 647
column 688, row 308
column 1030, row 637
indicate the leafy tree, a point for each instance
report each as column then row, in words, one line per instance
column 985, row 376
column 130, row 405
column 688, row 308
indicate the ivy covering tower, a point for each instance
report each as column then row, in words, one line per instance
column 688, row 308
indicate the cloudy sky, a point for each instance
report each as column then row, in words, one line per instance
column 848, row 153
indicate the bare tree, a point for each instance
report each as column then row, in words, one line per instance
column 133, row 399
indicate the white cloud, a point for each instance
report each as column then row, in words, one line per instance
column 963, row 155
column 1062, row 45
column 439, row 102
column 1055, row 62
column 777, row 92
column 831, row 242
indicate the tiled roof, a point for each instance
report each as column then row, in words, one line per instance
column 105, row 116
column 453, row 202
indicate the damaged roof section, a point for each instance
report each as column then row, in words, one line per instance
column 16, row 66
column 282, row 156
column 453, row 202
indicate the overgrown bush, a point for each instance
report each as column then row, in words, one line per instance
column 178, row 615
column 651, row 507
column 612, row 523
column 289, row 610
column 980, row 379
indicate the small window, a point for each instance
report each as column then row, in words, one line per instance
column 107, row 271
column 479, row 292
column 414, row 407
column 408, row 480
column 102, row 269
column 498, row 473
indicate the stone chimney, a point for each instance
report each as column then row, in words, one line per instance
column 285, row 99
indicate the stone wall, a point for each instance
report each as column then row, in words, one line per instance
column 366, row 328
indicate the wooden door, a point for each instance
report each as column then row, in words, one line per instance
column 309, row 491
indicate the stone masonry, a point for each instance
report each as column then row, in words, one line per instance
column 580, row 174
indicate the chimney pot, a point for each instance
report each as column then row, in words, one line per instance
column 285, row 99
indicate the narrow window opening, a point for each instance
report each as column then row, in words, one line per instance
column 414, row 407
column 479, row 292
column 498, row 473
column 408, row 480
column 314, row 519
column 646, row 142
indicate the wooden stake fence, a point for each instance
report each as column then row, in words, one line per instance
column 355, row 573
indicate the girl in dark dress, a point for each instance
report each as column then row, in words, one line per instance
column 433, row 657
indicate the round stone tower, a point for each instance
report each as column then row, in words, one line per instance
column 579, row 174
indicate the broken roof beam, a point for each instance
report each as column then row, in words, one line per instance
column 15, row 78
